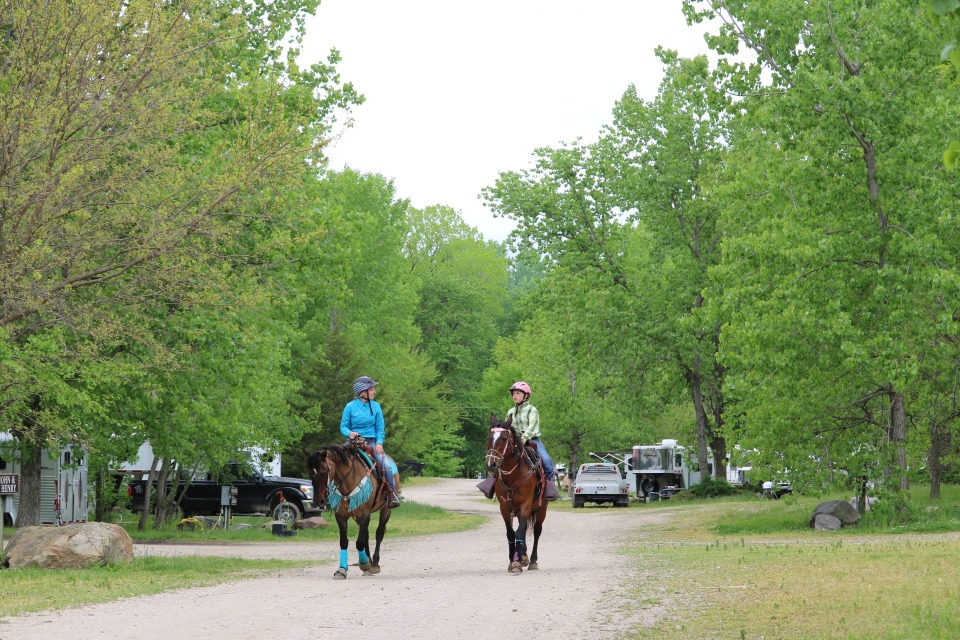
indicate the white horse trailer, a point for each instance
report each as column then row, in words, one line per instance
column 63, row 483
column 657, row 471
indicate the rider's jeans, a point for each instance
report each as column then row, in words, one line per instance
column 547, row 460
column 381, row 459
column 385, row 468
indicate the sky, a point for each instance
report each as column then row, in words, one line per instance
column 458, row 92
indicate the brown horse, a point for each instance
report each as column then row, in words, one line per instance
column 519, row 487
column 345, row 480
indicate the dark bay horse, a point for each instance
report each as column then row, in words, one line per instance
column 343, row 479
column 519, row 487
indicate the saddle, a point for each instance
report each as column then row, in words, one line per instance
column 364, row 447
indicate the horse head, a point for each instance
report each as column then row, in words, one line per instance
column 503, row 441
column 318, row 467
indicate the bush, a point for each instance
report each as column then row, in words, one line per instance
column 711, row 488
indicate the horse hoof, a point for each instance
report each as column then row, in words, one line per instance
column 374, row 569
column 524, row 561
column 364, row 567
column 515, row 567
column 532, row 567
column 367, row 573
column 340, row 574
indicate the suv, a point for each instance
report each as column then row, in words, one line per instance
column 600, row 482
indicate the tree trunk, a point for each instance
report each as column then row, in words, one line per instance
column 898, row 436
column 693, row 378
column 147, row 493
column 28, row 515
column 100, row 506
column 939, row 444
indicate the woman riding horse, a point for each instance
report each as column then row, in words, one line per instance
column 344, row 478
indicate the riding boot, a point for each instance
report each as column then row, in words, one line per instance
column 394, row 501
column 487, row 485
column 550, row 492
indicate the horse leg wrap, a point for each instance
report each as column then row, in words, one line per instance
column 343, row 559
column 518, row 550
column 363, row 557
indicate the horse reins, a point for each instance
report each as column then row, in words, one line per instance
column 338, row 486
column 519, row 453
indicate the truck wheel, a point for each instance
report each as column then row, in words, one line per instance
column 578, row 502
column 286, row 512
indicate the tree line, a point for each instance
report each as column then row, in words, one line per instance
column 760, row 261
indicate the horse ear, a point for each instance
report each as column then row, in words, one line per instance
column 509, row 421
column 493, row 419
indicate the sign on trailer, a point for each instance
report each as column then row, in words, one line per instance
column 9, row 484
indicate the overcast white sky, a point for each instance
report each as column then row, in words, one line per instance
column 457, row 92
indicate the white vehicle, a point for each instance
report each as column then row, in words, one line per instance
column 661, row 469
column 600, row 482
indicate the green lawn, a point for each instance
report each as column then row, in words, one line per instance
column 748, row 568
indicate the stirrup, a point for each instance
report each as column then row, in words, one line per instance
column 488, row 491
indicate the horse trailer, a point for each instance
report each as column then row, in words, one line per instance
column 63, row 483
column 657, row 471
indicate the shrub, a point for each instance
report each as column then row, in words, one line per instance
column 711, row 488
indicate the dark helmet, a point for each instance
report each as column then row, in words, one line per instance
column 362, row 384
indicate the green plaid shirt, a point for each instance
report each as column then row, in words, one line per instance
column 526, row 420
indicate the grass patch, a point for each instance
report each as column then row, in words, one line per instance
column 826, row 590
column 741, row 568
column 30, row 590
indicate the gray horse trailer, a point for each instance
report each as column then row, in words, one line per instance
column 63, row 483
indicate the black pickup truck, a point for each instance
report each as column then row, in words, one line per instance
column 285, row 499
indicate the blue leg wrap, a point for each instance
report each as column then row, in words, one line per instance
column 363, row 557
column 343, row 559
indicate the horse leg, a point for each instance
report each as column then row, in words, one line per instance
column 363, row 543
column 513, row 566
column 383, row 518
column 539, row 516
column 341, row 572
column 524, row 559
column 519, row 543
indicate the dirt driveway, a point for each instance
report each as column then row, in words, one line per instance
column 432, row 587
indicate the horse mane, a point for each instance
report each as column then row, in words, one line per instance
column 340, row 454
column 335, row 453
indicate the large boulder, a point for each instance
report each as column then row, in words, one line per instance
column 73, row 546
column 825, row 522
column 839, row 509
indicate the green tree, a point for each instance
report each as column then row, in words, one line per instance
column 667, row 151
column 461, row 284
column 837, row 257
column 130, row 174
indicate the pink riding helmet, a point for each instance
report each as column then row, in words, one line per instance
column 521, row 386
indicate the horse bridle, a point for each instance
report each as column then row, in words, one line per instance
column 499, row 458
column 335, row 482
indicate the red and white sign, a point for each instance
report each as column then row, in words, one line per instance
column 9, row 484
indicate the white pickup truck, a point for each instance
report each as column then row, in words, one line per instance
column 600, row 482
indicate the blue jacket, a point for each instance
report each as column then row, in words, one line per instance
column 365, row 418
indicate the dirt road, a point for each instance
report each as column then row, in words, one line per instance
column 431, row 587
